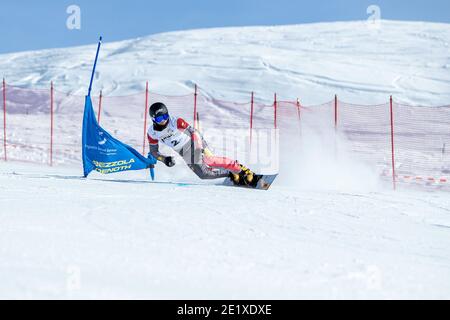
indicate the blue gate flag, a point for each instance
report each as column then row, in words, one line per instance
column 104, row 153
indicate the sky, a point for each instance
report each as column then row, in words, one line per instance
column 33, row 25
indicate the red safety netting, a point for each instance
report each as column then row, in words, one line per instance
column 123, row 116
column 288, row 125
column 318, row 118
column 67, row 127
column 422, row 142
column 367, row 130
column 224, row 124
column 27, row 124
column 288, row 117
column 401, row 142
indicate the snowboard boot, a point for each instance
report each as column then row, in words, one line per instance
column 247, row 175
column 234, row 177
column 244, row 177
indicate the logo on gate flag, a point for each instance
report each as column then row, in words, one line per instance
column 105, row 154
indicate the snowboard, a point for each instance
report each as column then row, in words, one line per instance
column 262, row 182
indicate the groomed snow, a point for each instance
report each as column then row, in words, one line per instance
column 326, row 229
column 123, row 237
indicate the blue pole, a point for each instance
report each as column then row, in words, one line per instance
column 152, row 172
column 95, row 64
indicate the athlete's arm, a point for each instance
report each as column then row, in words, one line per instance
column 154, row 151
column 195, row 135
column 184, row 126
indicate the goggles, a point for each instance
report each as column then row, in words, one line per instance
column 161, row 118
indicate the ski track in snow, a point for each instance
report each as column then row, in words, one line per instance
column 121, row 236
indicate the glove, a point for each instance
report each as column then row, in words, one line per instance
column 169, row 161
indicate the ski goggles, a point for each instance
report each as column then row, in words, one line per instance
column 161, row 118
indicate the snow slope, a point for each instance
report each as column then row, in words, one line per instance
column 338, row 234
column 312, row 62
column 123, row 237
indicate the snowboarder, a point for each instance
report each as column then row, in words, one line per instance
column 190, row 145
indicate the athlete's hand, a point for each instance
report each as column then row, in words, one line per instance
column 169, row 161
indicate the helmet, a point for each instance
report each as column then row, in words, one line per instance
column 159, row 110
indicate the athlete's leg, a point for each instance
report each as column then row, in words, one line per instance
column 237, row 172
column 222, row 163
column 194, row 159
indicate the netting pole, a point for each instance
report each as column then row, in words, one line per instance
column 145, row 118
column 275, row 111
column 99, row 106
column 198, row 122
column 4, row 119
column 251, row 118
column 335, row 111
column 51, row 123
column 299, row 117
column 392, row 143
column 195, row 108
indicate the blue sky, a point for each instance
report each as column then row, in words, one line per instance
column 31, row 24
